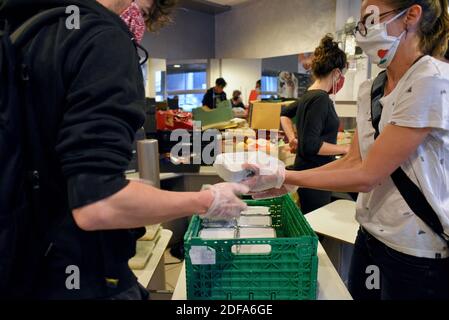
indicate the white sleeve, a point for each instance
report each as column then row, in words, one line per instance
column 423, row 104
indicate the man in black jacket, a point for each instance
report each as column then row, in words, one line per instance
column 216, row 94
column 87, row 94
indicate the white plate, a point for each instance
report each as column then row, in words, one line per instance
column 254, row 249
column 255, row 233
column 261, row 221
column 258, row 211
column 217, row 234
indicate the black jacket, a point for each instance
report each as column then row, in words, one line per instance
column 87, row 93
column 211, row 98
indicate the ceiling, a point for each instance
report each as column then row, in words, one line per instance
column 209, row 6
column 183, row 68
column 228, row 2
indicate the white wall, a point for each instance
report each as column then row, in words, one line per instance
column 241, row 74
column 354, row 78
column 270, row 28
column 345, row 10
column 214, row 71
column 154, row 65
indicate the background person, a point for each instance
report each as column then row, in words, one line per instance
column 255, row 94
column 236, row 100
column 216, row 94
column 317, row 121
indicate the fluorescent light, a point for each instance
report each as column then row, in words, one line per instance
column 177, row 66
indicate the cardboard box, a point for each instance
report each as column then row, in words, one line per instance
column 266, row 115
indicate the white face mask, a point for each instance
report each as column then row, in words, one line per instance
column 378, row 45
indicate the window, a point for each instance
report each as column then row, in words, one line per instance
column 188, row 82
column 269, row 84
column 188, row 102
column 160, row 86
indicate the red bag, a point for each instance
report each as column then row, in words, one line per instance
column 173, row 119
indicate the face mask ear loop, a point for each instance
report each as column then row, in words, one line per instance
column 396, row 17
column 406, row 29
column 334, row 87
column 333, row 83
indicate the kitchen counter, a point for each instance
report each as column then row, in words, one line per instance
column 336, row 220
column 338, row 228
column 162, row 176
column 153, row 275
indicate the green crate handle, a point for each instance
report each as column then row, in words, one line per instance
column 227, row 244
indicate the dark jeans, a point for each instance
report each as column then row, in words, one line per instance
column 402, row 277
column 312, row 200
column 136, row 292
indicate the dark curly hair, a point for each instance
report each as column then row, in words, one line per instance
column 327, row 57
column 160, row 14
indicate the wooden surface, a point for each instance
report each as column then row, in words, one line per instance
column 145, row 276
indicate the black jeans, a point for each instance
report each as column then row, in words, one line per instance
column 402, row 277
column 312, row 200
column 136, row 292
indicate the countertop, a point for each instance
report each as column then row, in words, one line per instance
column 144, row 276
column 204, row 171
column 336, row 220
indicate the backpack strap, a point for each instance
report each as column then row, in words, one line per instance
column 32, row 26
column 412, row 195
column 377, row 92
column 19, row 38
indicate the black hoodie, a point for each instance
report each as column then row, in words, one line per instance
column 87, row 95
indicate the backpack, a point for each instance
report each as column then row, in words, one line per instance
column 22, row 241
column 412, row 195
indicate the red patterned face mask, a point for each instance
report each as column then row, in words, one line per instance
column 133, row 17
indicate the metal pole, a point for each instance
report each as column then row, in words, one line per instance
column 148, row 159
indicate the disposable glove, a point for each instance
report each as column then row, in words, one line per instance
column 265, row 177
column 226, row 204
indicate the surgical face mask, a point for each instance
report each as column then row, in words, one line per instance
column 378, row 45
column 338, row 83
column 134, row 19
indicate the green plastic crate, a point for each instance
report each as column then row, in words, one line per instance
column 289, row 272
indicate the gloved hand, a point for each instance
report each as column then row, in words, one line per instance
column 226, row 204
column 274, row 193
column 265, row 178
